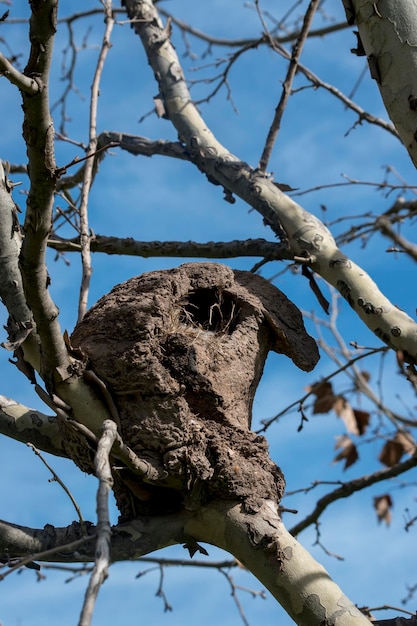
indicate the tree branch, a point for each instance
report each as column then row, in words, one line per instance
column 20, row 322
column 387, row 36
column 102, row 558
column 306, row 235
column 129, row 541
column 286, row 87
column 24, row 83
column 182, row 249
column 235, row 43
column 386, row 229
column 38, row 133
column 261, row 542
column 85, row 235
column 258, row 540
column 56, row 367
column 23, row 424
column 347, row 489
column 142, row 145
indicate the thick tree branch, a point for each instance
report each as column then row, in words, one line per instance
column 57, row 368
column 258, row 540
column 388, row 35
column 129, row 541
column 307, row 237
column 182, row 249
column 38, row 133
column 21, row 423
column 261, row 542
column 20, row 322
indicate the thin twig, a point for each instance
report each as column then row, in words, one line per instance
column 405, row 245
column 85, row 235
column 91, row 376
column 286, row 88
column 348, row 488
column 211, row 40
column 57, row 479
column 360, row 382
column 301, row 401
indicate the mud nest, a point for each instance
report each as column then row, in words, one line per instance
column 182, row 352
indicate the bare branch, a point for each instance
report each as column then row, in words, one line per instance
column 23, row 424
column 286, row 87
column 348, row 488
column 102, row 560
column 235, row 43
column 142, row 145
column 24, row 83
column 60, row 550
column 20, row 322
column 266, row 423
column 405, row 245
column 348, row 102
column 63, row 486
column 128, row 541
column 181, row 249
column 85, row 235
column 39, row 136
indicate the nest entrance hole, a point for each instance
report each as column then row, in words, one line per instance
column 211, row 310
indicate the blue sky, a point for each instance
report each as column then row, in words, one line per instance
column 161, row 199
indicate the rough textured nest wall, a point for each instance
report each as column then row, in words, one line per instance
column 182, row 352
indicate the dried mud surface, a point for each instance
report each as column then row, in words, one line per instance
column 182, row 352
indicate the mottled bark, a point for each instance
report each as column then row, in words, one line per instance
column 388, row 34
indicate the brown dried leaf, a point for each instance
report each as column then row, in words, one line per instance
column 325, row 397
column 346, row 413
column 362, row 420
column 406, row 441
column 348, row 451
column 366, row 375
column 383, row 505
column 391, row 453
